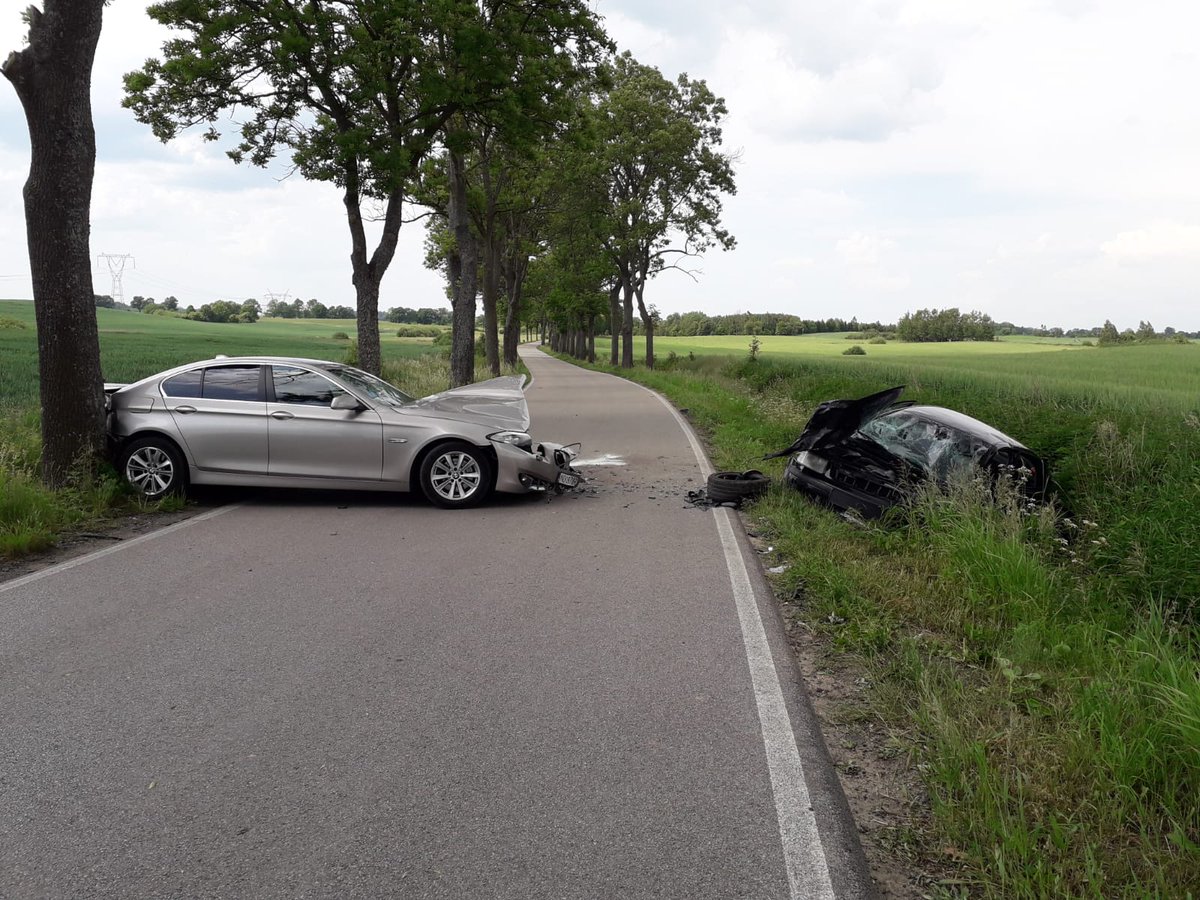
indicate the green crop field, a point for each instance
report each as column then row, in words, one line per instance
column 1060, row 370
column 133, row 345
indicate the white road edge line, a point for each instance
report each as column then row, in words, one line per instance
column 804, row 856
column 116, row 548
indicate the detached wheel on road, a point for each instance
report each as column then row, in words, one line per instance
column 457, row 475
column 154, row 467
column 733, row 487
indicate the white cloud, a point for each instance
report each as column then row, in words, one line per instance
column 863, row 249
column 1164, row 240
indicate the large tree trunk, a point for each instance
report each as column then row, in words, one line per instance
column 462, row 343
column 52, row 77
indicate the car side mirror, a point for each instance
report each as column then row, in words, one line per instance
column 346, row 401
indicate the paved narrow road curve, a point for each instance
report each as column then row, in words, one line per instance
column 363, row 696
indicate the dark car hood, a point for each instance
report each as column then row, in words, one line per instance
column 498, row 401
column 835, row 420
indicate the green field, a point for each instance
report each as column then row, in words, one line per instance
column 1164, row 376
column 133, row 345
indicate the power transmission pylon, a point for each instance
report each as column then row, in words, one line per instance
column 116, row 268
column 271, row 297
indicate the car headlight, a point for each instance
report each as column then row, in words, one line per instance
column 810, row 460
column 516, row 438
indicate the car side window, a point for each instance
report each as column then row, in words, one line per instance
column 231, row 383
column 295, row 385
column 185, row 384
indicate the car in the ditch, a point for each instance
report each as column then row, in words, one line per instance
column 306, row 423
column 867, row 455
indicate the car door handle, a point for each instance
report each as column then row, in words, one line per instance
column 184, row 410
column 281, row 415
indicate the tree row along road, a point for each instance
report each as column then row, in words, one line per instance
column 312, row 695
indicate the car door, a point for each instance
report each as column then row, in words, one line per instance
column 310, row 439
column 221, row 413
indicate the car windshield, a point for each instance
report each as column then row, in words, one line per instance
column 936, row 448
column 375, row 388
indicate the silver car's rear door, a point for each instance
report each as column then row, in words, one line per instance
column 221, row 414
column 310, row 439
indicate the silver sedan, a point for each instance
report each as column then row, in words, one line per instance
column 307, row 423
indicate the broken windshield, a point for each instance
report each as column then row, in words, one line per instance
column 933, row 446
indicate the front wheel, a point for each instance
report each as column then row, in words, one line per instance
column 456, row 475
column 154, row 467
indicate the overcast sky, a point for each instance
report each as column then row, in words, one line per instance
column 1038, row 160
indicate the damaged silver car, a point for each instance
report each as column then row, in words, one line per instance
column 868, row 454
column 307, row 423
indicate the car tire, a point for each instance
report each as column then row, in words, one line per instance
column 153, row 467
column 734, row 487
column 457, row 475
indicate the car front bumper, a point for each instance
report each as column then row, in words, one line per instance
column 544, row 467
column 837, row 495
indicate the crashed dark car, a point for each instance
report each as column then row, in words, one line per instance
column 868, row 454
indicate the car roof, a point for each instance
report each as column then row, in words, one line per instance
column 237, row 360
column 939, row 414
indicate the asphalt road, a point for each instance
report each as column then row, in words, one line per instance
column 313, row 695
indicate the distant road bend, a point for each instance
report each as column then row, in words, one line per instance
column 300, row 696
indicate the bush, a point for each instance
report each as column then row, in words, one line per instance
column 432, row 331
column 443, row 339
column 878, row 339
column 7, row 322
column 856, row 350
column 340, row 336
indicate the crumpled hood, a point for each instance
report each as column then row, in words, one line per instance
column 498, row 402
column 835, row 420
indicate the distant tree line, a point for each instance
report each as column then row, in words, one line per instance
column 691, row 324
column 312, row 309
column 1108, row 335
column 229, row 311
column 138, row 303
column 425, row 316
column 939, row 325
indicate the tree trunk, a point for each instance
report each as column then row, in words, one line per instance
column 512, row 316
column 627, row 326
column 367, row 274
column 52, row 77
column 462, row 342
column 614, row 316
column 648, row 323
column 491, row 291
column 591, row 333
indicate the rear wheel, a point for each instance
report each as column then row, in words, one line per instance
column 154, row 467
column 456, row 475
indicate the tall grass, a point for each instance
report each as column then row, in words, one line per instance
column 1040, row 665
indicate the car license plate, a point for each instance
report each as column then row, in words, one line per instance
column 566, row 479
